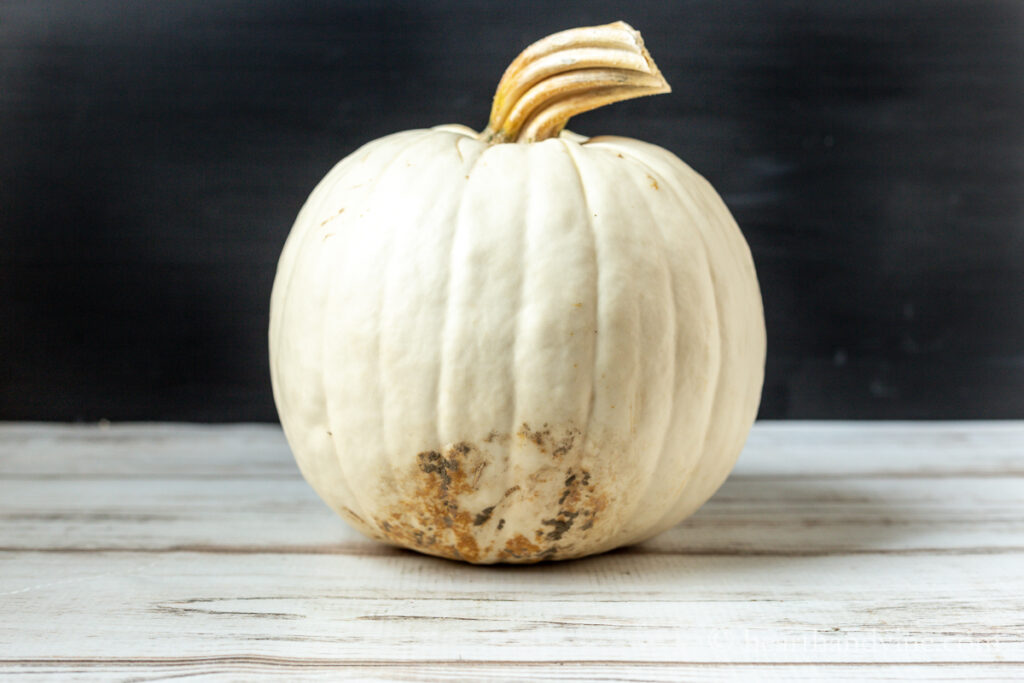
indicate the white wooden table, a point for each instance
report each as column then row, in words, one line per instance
column 835, row 551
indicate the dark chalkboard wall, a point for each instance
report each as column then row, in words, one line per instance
column 154, row 154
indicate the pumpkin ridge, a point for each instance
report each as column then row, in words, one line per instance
column 362, row 508
column 690, row 204
column 301, row 248
column 449, row 286
column 739, row 248
column 391, row 453
column 673, row 359
column 325, row 189
column 511, row 447
column 585, row 427
column 687, row 203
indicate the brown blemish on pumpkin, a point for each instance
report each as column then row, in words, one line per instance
column 576, row 489
column 519, row 547
column 496, row 437
column 654, row 183
column 579, row 505
column 538, row 437
column 331, row 218
column 544, row 441
column 569, row 481
column 565, row 444
column 439, row 511
column 482, row 516
column 351, row 513
column 560, row 524
column 431, row 519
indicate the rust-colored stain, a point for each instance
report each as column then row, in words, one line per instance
column 331, row 218
column 654, row 183
column 579, row 505
column 496, row 437
column 431, row 513
column 545, row 442
column 353, row 515
column 441, row 526
column 519, row 547
column 538, row 437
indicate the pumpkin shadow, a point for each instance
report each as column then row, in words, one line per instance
column 756, row 522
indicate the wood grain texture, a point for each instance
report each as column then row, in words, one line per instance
column 858, row 552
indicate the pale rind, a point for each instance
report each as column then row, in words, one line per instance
column 515, row 352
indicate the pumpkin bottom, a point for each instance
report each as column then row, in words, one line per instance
column 539, row 494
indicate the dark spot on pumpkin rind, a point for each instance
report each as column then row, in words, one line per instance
column 549, row 553
column 429, row 517
column 351, row 513
column 432, row 462
column 421, row 539
column 563, row 446
column 537, row 437
column 560, row 524
column 577, row 489
column 543, row 438
column 483, row 516
column 496, row 436
column 519, row 547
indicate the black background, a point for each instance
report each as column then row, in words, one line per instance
column 154, row 154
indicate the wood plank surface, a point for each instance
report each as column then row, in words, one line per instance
column 866, row 551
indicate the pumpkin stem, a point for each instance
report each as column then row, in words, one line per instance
column 566, row 74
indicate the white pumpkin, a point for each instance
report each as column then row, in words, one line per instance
column 520, row 344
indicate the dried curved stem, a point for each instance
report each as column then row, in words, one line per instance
column 568, row 73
